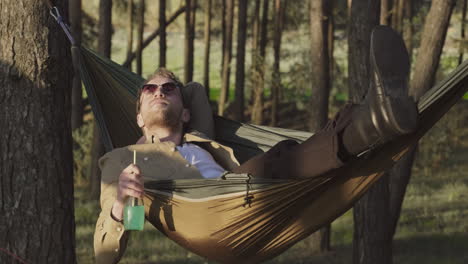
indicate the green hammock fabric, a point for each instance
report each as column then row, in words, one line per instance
column 238, row 218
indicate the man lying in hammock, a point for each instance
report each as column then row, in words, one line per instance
column 173, row 152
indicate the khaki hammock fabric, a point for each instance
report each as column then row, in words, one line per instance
column 238, row 218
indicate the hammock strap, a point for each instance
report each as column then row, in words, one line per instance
column 54, row 12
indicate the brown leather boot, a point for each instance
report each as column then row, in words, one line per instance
column 387, row 111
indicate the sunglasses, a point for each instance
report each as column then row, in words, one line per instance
column 166, row 88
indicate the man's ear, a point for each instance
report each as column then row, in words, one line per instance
column 185, row 115
column 140, row 121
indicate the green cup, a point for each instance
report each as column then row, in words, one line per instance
column 134, row 217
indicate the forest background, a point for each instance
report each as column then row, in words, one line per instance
column 289, row 64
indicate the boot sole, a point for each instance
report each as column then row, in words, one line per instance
column 399, row 111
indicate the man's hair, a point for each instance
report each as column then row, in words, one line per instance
column 160, row 72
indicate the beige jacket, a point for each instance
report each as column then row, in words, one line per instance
column 157, row 161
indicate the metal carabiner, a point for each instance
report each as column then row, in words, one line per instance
column 55, row 15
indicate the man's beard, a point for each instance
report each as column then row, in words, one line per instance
column 165, row 117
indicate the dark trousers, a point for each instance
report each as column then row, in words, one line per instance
column 289, row 159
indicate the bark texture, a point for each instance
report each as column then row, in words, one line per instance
column 259, row 72
column 130, row 9
column 227, row 54
column 207, row 37
column 77, row 93
column 189, row 38
column 162, row 33
column 320, row 14
column 140, row 31
column 462, row 33
column 372, row 242
column 276, row 78
column 240, row 60
column 36, row 173
column 105, row 27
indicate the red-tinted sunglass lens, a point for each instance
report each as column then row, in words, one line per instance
column 149, row 88
column 168, row 87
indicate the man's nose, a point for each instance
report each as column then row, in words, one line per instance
column 159, row 92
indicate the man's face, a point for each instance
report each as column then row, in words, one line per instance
column 161, row 107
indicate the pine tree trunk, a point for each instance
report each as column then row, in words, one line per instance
column 206, row 63
column 254, row 52
column 140, row 31
column 462, row 34
column 372, row 242
column 227, row 53
column 105, row 27
column 130, row 31
column 320, row 63
column 162, row 33
column 394, row 18
column 189, row 38
column 153, row 35
column 384, row 12
column 276, row 78
column 77, row 93
column 240, row 61
column 223, row 34
column 257, row 109
column 408, row 27
column 426, row 64
column 320, row 14
column 36, row 164
column 331, row 41
column 104, row 48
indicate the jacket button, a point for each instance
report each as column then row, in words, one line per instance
column 116, row 250
column 187, row 165
column 145, row 158
column 119, row 229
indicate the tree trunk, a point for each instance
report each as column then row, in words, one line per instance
column 104, row 48
column 77, row 94
column 130, row 31
column 395, row 18
column 408, row 27
column 254, row 51
column 257, row 109
column 462, row 34
column 331, row 41
column 36, row 172
column 162, row 33
column 427, row 61
column 320, row 14
column 276, row 78
column 227, row 53
column 153, row 35
column 384, row 12
column 105, row 27
column 320, row 63
column 240, row 61
column 189, row 38
column 372, row 242
column 206, row 63
column 223, row 34
column 400, row 15
column 140, row 31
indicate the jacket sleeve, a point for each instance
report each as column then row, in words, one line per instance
column 110, row 238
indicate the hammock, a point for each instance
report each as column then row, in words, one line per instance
column 238, row 217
